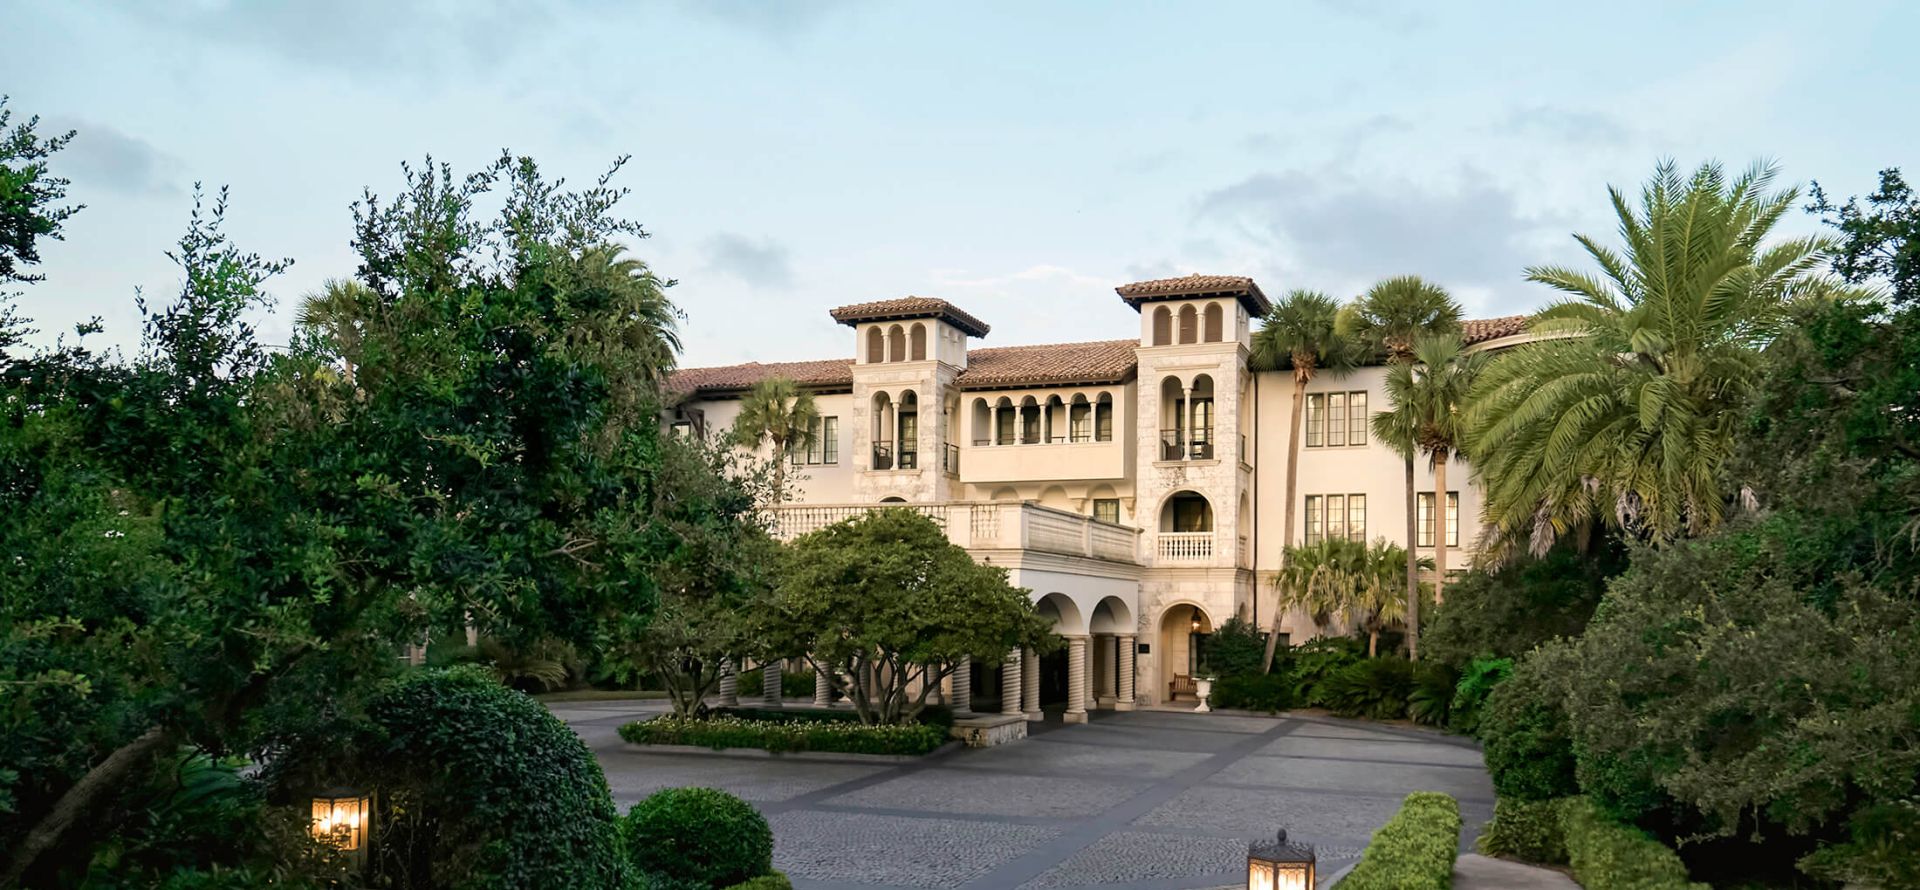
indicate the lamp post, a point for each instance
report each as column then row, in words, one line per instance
column 1279, row 865
column 341, row 819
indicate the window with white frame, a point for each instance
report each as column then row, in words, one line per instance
column 1453, row 519
column 1336, row 516
column 1336, row 419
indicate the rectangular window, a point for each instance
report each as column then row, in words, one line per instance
column 1316, row 418
column 1107, row 510
column 1202, row 420
column 1336, row 516
column 1313, row 519
column 1357, row 517
column 683, row 429
column 1426, row 519
column 823, row 443
column 1356, row 418
column 1336, row 419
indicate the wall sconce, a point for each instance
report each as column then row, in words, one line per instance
column 1195, row 626
column 1279, row 865
column 341, row 817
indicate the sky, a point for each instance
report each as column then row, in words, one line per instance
column 1020, row 159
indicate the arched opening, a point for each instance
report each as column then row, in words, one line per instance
column 1162, row 326
column 1055, row 496
column 1080, row 419
column 919, row 342
column 1186, row 512
column 1215, row 323
column 882, row 431
column 1005, row 422
column 1189, row 325
column 1173, row 419
column 982, row 422
column 1067, row 620
column 896, row 344
column 1200, row 414
column 908, row 426
column 876, row 346
column 1112, row 629
column 893, row 500
column 1184, row 631
column 1054, row 424
column 1103, row 418
column 1029, row 421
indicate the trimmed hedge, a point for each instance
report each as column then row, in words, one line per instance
column 1271, row 693
column 697, row 839
column 1606, row 853
column 775, row 881
column 1415, row 849
column 1523, row 731
column 793, row 735
column 1527, row 830
column 932, row 715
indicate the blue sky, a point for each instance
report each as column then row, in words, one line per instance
column 1017, row 158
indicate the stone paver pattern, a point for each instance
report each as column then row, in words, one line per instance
column 1147, row 800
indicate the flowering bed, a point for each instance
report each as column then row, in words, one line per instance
column 832, row 736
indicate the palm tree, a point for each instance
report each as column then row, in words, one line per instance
column 1304, row 330
column 1427, row 395
column 1390, row 317
column 777, row 413
column 643, row 324
column 1625, row 410
column 1350, row 579
column 339, row 314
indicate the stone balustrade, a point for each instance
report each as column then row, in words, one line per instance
column 986, row 525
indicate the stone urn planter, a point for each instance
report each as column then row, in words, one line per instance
column 1202, row 688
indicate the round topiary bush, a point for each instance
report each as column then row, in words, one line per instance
column 698, row 838
column 1524, row 734
column 481, row 787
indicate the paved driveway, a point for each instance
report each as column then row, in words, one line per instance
column 1144, row 801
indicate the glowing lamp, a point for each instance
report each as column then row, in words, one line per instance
column 341, row 817
column 1279, row 865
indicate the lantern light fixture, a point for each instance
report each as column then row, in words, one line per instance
column 1279, row 864
column 341, row 817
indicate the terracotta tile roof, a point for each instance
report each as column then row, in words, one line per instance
column 1194, row 286
column 729, row 378
column 1480, row 330
column 911, row 307
column 1100, row 361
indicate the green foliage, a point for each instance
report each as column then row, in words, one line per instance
column 1470, row 694
column 1524, row 734
column 932, row 715
column 540, row 666
column 788, row 735
column 1363, row 583
column 1606, row 853
column 28, row 195
column 1528, row 830
column 480, row 786
column 1271, row 693
column 1395, row 313
column 697, row 839
column 780, row 415
column 1882, row 848
column 1628, row 413
column 1237, row 648
column 1376, row 688
column 1316, row 660
column 1880, row 242
column 1431, row 699
column 887, row 590
column 775, row 881
column 1415, row 849
column 797, row 684
column 1504, row 611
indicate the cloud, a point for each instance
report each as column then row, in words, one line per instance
column 103, row 156
column 762, row 263
column 1569, row 124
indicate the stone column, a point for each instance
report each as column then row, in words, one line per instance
column 1010, row 685
column 729, row 684
column 1076, row 679
column 1186, row 420
column 770, row 682
column 993, row 424
column 1127, row 647
column 822, row 688
column 1030, row 683
column 963, row 686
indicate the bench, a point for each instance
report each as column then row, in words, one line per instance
column 1181, row 683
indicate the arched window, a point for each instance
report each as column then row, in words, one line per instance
column 876, row 346
column 1103, row 418
column 896, row 344
column 909, row 425
column 883, row 415
column 919, row 342
column 1080, row 419
column 1186, row 511
column 1214, row 323
column 1189, row 325
column 1029, row 421
column 1006, row 420
column 1162, row 326
column 982, row 423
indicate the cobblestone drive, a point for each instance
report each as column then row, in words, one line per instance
column 1147, row 800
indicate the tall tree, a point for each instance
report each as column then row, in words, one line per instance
column 1880, row 242
column 1427, row 395
column 337, row 316
column 780, row 414
column 30, row 209
column 1352, row 580
column 1390, row 317
column 1303, row 332
column 1625, row 408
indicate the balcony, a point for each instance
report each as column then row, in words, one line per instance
column 1186, row 548
column 883, row 455
column 996, row 525
column 1174, row 447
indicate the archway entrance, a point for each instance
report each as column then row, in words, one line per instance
column 1184, row 630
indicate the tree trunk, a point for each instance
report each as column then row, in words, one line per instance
column 1413, row 565
column 74, row 806
column 1286, row 521
column 1373, row 642
column 1439, row 525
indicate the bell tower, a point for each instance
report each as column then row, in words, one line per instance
column 908, row 351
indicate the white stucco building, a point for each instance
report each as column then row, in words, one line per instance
column 1137, row 487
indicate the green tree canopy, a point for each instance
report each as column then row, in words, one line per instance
column 1356, row 582
column 1881, row 241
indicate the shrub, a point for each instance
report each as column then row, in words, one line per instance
column 775, row 881
column 1432, row 695
column 1523, row 731
column 1607, row 853
column 1506, row 613
column 791, row 735
column 1883, row 849
column 1313, row 662
column 1525, row 829
column 1271, row 693
column 1237, row 649
column 483, row 788
column 797, row 684
column 697, row 839
column 1375, row 688
column 932, row 715
column 1470, row 694
column 1415, row 849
